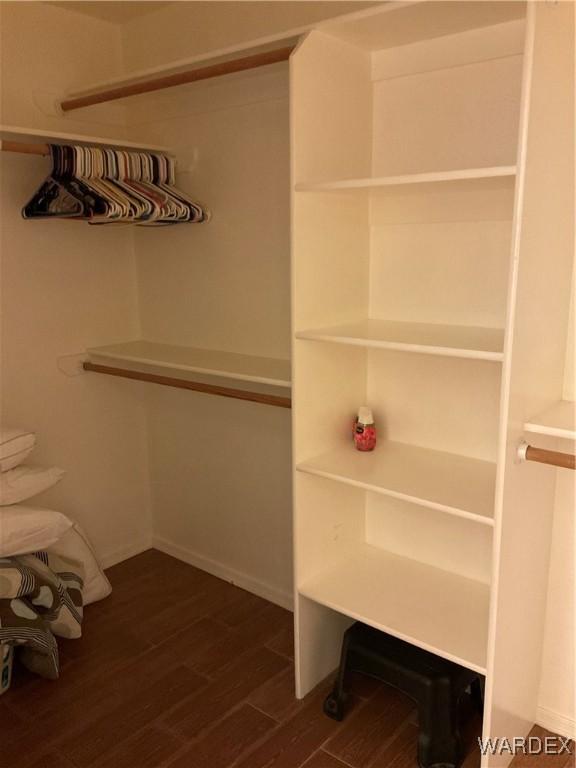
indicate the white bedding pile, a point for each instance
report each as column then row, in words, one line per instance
column 26, row 529
column 18, row 481
column 15, row 445
column 30, row 529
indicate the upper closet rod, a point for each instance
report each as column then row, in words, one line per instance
column 25, row 148
column 180, row 78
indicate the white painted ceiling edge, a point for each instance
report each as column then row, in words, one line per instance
column 113, row 11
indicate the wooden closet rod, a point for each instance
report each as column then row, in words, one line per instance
column 210, row 389
column 543, row 456
column 180, row 78
column 24, row 148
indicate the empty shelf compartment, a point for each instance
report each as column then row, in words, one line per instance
column 439, row 611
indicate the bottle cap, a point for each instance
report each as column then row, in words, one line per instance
column 365, row 415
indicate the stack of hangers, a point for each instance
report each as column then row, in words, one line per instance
column 107, row 186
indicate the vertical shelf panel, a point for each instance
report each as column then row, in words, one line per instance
column 542, row 259
column 331, row 138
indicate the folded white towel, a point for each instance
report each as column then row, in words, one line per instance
column 23, row 482
column 15, row 445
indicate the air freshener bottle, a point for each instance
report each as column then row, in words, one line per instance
column 364, row 430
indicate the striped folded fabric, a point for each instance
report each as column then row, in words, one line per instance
column 40, row 596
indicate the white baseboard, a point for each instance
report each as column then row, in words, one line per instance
column 555, row 722
column 222, row 571
column 135, row 548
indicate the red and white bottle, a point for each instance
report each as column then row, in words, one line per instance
column 364, row 430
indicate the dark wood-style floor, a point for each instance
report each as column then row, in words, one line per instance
column 180, row 669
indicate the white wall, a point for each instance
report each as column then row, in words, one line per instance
column 221, row 468
column 557, row 700
column 557, row 708
column 220, row 474
column 66, row 286
column 223, row 285
column 46, row 52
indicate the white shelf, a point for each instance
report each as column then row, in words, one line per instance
column 207, row 59
column 370, row 183
column 446, row 482
column 33, row 135
column 557, row 421
column 429, row 339
column 436, row 610
column 395, row 24
column 176, row 359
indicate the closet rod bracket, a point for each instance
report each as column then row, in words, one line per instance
column 72, row 365
column 544, row 456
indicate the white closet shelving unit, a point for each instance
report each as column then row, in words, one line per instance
column 414, row 173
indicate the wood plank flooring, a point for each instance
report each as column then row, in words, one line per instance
column 179, row 669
